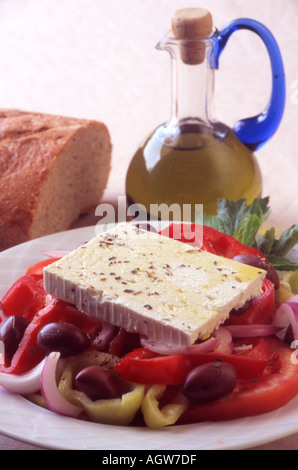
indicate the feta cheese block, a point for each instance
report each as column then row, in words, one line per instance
column 147, row 283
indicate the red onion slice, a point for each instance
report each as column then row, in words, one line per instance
column 205, row 346
column 251, row 331
column 58, row 253
column 285, row 316
column 225, row 338
column 53, row 398
column 105, row 336
column 294, row 307
column 23, row 384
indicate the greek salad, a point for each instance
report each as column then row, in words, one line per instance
column 76, row 365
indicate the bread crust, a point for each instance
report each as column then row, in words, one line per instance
column 30, row 144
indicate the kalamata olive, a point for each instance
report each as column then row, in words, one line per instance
column 251, row 260
column 257, row 262
column 240, row 311
column 209, row 382
column 11, row 332
column 289, row 336
column 272, row 275
column 62, row 337
column 98, row 383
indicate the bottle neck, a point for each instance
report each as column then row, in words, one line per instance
column 192, row 93
column 191, row 122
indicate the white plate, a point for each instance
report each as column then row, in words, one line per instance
column 29, row 423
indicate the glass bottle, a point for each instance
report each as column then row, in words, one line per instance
column 193, row 159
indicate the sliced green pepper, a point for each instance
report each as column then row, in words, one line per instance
column 117, row 411
column 155, row 417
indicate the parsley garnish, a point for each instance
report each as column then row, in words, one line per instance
column 244, row 221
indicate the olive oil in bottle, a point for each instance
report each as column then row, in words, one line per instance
column 194, row 169
column 192, row 159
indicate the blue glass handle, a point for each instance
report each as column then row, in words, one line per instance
column 255, row 131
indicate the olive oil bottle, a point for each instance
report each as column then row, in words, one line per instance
column 193, row 159
column 196, row 169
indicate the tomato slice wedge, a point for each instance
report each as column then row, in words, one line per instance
column 259, row 310
column 123, row 343
column 25, row 297
column 146, row 367
column 271, row 390
column 209, row 239
column 28, row 354
column 37, row 268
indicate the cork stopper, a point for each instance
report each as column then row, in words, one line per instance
column 192, row 24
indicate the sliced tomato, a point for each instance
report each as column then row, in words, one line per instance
column 146, row 367
column 25, row 297
column 37, row 269
column 259, row 310
column 28, row 354
column 124, row 342
column 143, row 366
column 193, row 234
column 275, row 387
column 209, row 239
column 226, row 245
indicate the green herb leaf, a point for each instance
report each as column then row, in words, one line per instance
column 287, row 240
column 282, row 264
column 261, row 208
column 266, row 242
column 247, row 229
column 230, row 213
column 216, row 223
column 243, row 221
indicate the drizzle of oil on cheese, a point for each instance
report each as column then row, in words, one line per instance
column 153, row 285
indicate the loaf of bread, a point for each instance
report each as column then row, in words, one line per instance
column 52, row 170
